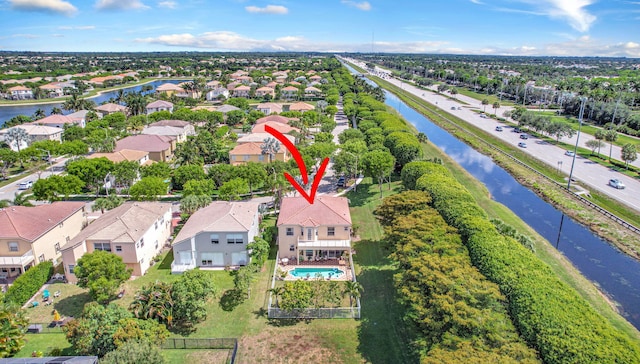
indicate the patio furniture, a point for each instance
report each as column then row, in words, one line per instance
column 58, row 277
column 56, row 294
column 34, row 304
column 34, row 329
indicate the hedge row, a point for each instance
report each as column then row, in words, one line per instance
column 549, row 314
column 447, row 299
column 25, row 286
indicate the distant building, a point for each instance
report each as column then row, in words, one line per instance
column 159, row 105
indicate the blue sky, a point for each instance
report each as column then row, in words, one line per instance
column 504, row 27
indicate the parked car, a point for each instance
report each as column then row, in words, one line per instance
column 522, row 145
column 453, row 107
column 25, row 185
column 614, row 182
column 524, row 136
column 341, row 182
column 569, row 153
column 498, row 128
column 517, row 130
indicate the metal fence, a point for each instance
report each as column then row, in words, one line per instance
column 229, row 344
column 315, row 313
column 44, row 328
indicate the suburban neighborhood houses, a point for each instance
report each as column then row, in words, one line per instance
column 204, row 207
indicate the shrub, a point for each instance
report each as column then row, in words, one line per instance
column 25, row 286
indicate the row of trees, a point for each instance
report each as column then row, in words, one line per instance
column 550, row 316
column 457, row 313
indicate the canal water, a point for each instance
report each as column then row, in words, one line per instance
column 8, row 112
column 614, row 272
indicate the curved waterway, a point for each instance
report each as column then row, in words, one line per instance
column 8, row 112
column 614, row 272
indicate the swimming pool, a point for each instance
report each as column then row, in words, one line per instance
column 312, row 272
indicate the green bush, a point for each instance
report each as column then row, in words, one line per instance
column 550, row 315
column 25, row 286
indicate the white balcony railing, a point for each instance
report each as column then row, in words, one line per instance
column 23, row 260
column 177, row 268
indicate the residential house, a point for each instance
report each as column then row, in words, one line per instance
column 275, row 118
column 159, row 105
column 264, row 91
column 111, row 108
column 260, row 137
column 241, row 91
column 53, row 90
column 180, row 134
column 301, row 106
column 216, row 236
column 212, row 85
column 252, row 152
column 187, row 127
column 289, row 92
column 169, row 89
column 129, row 155
column 282, row 128
column 79, row 118
column 32, row 235
column 315, row 78
column 20, row 93
column 312, row 92
column 227, row 108
column 269, row 108
column 272, row 84
column 313, row 231
column 35, row 132
column 57, row 121
column 135, row 231
column 245, row 80
column 160, row 147
column 280, row 79
column 217, row 93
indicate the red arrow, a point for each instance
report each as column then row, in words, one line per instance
column 301, row 166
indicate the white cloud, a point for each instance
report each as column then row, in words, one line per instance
column 168, row 4
column 48, row 6
column 572, row 11
column 364, row 6
column 269, row 9
column 120, row 5
column 477, row 2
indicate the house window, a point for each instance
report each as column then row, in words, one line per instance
column 206, row 262
column 41, row 258
column 233, row 157
column 245, row 158
column 118, row 248
column 261, row 157
column 156, row 225
column 331, row 231
column 141, row 242
column 292, row 248
column 71, row 268
column 215, row 239
column 61, row 224
column 141, row 260
column 234, row 239
column 102, row 246
column 13, row 246
column 289, row 231
column 156, row 244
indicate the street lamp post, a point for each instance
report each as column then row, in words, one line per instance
column 575, row 149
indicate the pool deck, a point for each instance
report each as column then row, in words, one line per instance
column 345, row 277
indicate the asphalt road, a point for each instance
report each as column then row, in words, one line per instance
column 589, row 174
column 9, row 191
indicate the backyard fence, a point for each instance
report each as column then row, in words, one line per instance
column 229, row 344
column 44, row 328
column 315, row 313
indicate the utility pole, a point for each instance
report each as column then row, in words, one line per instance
column 575, row 149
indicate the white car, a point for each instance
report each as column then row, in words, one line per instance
column 569, row 153
column 614, row 182
column 25, row 185
column 522, row 145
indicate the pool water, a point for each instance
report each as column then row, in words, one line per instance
column 313, row 272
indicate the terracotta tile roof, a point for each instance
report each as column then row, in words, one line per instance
column 222, row 216
column 312, row 89
column 242, row 88
column 265, row 89
column 174, row 123
column 163, row 130
column 19, row 88
column 111, row 107
column 149, row 143
column 159, row 103
column 290, row 88
column 283, row 128
column 169, row 87
column 126, row 223
column 51, row 86
column 121, row 155
column 260, row 137
column 55, row 119
column 34, row 129
column 301, row 106
column 276, row 118
column 326, row 210
column 30, row 223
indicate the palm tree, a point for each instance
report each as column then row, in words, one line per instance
column 74, row 103
column 496, row 106
column 17, row 135
column 277, row 292
column 136, row 103
column 38, row 114
column 354, row 290
column 56, row 111
column 270, row 147
column 610, row 136
column 485, row 102
column 21, row 199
